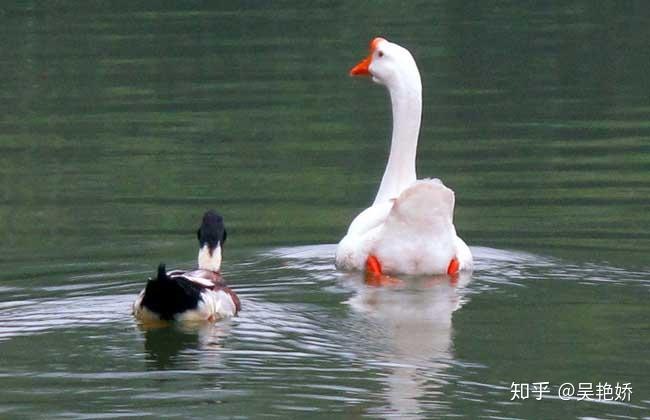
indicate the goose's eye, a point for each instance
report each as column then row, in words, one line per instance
column 380, row 54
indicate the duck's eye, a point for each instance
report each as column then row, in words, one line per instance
column 380, row 54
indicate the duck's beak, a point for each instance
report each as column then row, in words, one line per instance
column 363, row 68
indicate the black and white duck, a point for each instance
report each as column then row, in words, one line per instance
column 191, row 296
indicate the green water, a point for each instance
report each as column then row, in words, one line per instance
column 121, row 123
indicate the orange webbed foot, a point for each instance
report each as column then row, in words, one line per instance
column 374, row 275
column 452, row 270
column 453, row 267
column 373, row 265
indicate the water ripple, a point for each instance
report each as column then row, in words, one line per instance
column 341, row 343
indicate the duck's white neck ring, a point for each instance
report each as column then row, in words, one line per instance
column 407, row 114
column 210, row 261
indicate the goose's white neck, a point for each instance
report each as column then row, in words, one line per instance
column 210, row 260
column 406, row 100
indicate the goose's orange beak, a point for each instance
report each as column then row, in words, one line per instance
column 363, row 68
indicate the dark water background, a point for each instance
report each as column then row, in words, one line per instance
column 121, row 122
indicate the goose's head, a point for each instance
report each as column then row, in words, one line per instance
column 212, row 235
column 390, row 65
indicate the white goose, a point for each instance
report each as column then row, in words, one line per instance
column 409, row 228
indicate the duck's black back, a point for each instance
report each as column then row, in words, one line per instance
column 168, row 296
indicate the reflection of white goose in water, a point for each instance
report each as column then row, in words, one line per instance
column 417, row 335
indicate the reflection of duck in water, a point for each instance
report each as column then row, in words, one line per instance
column 165, row 347
column 416, row 334
column 198, row 295
column 164, row 344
